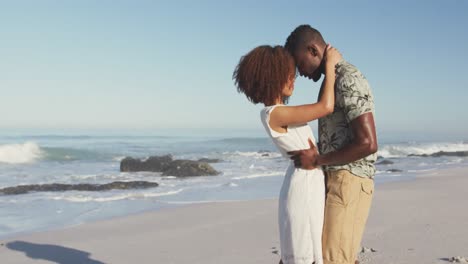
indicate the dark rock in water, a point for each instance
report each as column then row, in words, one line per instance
column 394, row 170
column 58, row 187
column 385, row 162
column 168, row 167
column 209, row 160
column 158, row 163
column 443, row 153
column 451, row 154
column 418, row 155
column 183, row 168
column 154, row 163
column 265, row 155
column 128, row 164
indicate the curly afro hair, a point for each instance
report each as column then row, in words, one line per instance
column 263, row 72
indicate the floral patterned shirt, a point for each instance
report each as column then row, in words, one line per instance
column 353, row 97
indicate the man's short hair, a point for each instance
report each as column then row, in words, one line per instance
column 302, row 35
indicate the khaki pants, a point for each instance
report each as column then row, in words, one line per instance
column 347, row 206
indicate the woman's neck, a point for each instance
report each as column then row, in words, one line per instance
column 279, row 101
column 276, row 102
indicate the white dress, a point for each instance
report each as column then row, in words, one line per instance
column 301, row 199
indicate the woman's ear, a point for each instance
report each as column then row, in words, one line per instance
column 291, row 84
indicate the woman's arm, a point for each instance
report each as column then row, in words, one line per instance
column 293, row 115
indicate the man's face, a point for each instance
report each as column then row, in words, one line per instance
column 308, row 63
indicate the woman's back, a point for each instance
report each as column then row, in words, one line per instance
column 295, row 138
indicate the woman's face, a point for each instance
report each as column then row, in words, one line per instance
column 289, row 87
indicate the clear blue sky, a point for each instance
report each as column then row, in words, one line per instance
column 150, row 64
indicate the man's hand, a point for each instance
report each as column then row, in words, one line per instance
column 306, row 158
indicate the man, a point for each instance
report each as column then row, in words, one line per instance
column 347, row 146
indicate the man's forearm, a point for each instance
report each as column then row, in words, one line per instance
column 363, row 144
column 352, row 152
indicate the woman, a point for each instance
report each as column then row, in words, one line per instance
column 266, row 75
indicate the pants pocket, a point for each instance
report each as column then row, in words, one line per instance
column 338, row 190
column 362, row 211
column 367, row 187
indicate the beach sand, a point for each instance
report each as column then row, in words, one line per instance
column 417, row 221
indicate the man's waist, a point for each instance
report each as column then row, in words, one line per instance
column 361, row 171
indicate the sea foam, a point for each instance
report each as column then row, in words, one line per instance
column 27, row 152
column 403, row 150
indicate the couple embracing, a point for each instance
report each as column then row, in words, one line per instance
column 327, row 190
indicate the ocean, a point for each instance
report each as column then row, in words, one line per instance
column 250, row 167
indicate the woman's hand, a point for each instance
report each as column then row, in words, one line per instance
column 332, row 57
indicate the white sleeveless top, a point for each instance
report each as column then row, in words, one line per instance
column 294, row 139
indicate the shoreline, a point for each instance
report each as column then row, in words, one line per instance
column 404, row 214
column 246, row 163
column 161, row 207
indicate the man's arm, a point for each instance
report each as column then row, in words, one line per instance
column 364, row 144
column 357, row 103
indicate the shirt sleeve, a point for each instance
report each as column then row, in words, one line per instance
column 356, row 97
